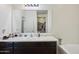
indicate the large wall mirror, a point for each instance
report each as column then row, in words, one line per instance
column 30, row 21
column 18, row 18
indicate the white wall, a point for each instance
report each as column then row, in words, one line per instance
column 16, row 20
column 49, row 21
column 5, row 18
column 66, row 23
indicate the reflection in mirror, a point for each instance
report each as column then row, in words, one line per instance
column 41, row 21
column 22, row 25
column 33, row 21
column 28, row 21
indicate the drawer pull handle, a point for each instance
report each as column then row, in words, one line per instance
column 5, row 51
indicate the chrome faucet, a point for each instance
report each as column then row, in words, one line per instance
column 31, row 35
column 60, row 41
column 38, row 34
column 3, row 31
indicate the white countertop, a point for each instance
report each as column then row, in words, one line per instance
column 29, row 39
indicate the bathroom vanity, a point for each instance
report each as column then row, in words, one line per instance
column 34, row 45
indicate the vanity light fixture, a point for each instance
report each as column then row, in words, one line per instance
column 31, row 5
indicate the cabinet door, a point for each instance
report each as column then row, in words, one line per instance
column 35, row 47
column 6, row 47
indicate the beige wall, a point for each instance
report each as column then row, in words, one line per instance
column 66, row 23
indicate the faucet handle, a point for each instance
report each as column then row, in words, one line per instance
column 31, row 35
column 38, row 34
column 3, row 31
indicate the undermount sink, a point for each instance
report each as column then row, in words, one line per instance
column 19, row 38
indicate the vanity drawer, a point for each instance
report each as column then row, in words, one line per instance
column 6, row 44
column 34, row 44
column 6, row 50
column 6, row 47
column 35, row 50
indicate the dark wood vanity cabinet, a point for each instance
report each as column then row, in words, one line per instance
column 6, row 47
column 28, row 47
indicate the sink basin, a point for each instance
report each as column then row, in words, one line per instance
column 19, row 38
